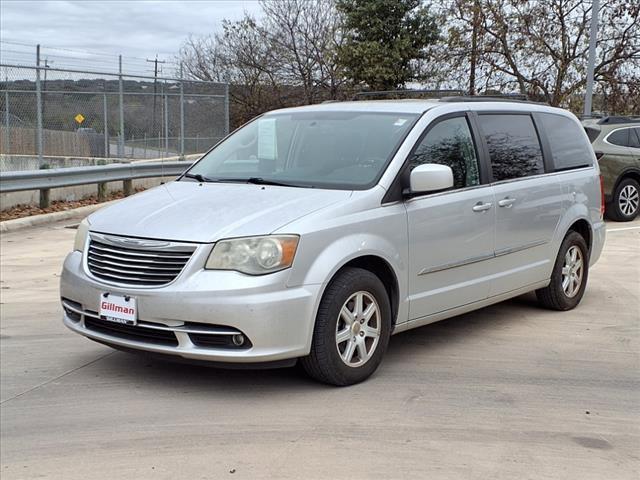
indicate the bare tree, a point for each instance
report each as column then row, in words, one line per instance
column 285, row 58
column 540, row 47
column 303, row 35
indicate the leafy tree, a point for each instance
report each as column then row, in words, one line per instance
column 384, row 40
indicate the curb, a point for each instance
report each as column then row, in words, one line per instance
column 46, row 218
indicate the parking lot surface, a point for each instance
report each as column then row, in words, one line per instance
column 511, row 391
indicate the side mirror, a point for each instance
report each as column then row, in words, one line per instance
column 430, row 177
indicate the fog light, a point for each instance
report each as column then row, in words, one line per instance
column 237, row 339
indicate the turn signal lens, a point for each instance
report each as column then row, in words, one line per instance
column 254, row 255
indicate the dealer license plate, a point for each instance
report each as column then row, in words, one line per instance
column 118, row 309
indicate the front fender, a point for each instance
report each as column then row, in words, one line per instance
column 381, row 232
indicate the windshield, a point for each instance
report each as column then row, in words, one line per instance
column 343, row 150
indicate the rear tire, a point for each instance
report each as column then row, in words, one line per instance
column 352, row 329
column 569, row 276
column 625, row 204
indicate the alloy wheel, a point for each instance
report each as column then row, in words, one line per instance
column 572, row 271
column 629, row 200
column 358, row 329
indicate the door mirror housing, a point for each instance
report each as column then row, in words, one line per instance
column 430, row 177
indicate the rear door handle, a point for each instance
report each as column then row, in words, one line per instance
column 481, row 207
column 506, row 202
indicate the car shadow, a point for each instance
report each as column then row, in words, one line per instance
column 427, row 340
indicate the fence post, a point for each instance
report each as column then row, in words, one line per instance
column 226, row 109
column 181, row 113
column 7, row 137
column 166, row 124
column 121, row 107
column 106, row 126
column 45, row 198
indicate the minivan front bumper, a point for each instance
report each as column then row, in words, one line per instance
column 277, row 320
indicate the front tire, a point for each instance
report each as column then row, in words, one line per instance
column 352, row 329
column 569, row 276
column 625, row 203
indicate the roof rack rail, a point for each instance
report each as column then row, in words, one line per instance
column 516, row 97
column 382, row 93
column 615, row 120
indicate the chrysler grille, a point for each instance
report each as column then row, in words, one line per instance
column 133, row 266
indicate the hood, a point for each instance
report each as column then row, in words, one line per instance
column 193, row 212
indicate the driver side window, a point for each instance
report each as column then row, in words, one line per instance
column 450, row 143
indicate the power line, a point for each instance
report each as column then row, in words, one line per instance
column 72, row 50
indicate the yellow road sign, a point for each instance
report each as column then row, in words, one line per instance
column 79, row 118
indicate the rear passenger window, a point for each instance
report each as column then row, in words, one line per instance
column 449, row 143
column 619, row 137
column 514, row 147
column 569, row 148
column 634, row 138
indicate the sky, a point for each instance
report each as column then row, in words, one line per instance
column 94, row 32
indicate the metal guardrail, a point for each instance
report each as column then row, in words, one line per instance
column 69, row 177
column 45, row 180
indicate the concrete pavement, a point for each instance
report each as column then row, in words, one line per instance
column 508, row 392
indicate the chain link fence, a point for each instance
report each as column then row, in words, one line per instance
column 52, row 117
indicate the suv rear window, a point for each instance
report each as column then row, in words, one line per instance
column 569, row 148
column 634, row 138
column 514, row 147
column 619, row 137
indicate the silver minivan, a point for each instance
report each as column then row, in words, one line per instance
column 315, row 233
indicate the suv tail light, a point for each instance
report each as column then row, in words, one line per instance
column 601, row 198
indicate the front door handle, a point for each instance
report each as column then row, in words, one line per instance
column 481, row 207
column 506, row 202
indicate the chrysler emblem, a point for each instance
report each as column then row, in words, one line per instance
column 135, row 242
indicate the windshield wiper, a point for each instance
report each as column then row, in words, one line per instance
column 264, row 181
column 198, row 177
column 256, row 181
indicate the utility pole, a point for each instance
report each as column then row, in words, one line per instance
column 474, row 48
column 588, row 96
column 155, row 89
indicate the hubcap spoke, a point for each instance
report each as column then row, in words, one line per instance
column 358, row 308
column 362, row 351
column 346, row 315
column 369, row 312
column 343, row 335
column 370, row 332
column 347, row 355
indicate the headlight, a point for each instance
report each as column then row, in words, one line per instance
column 81, row 235
column 254, row 255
